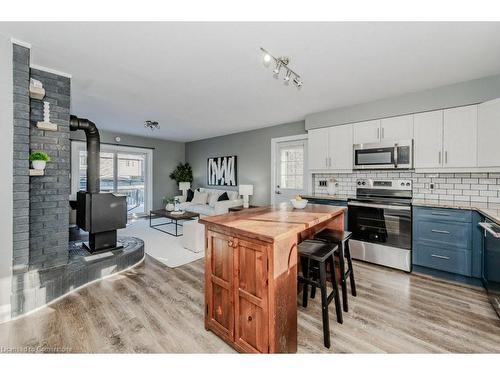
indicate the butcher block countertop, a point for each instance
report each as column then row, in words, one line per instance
column 273, row 223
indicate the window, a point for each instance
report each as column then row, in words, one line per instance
column 123, row 170
column 292, row 167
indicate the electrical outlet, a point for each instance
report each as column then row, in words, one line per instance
column 323, row 183
column 431, row 186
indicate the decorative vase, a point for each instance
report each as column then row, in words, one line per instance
column 169, row 207
column 39, row 164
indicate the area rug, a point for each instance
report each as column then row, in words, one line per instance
column 163, row 247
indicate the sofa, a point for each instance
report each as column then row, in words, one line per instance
column 217, row 208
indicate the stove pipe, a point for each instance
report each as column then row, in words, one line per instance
column 93, row 150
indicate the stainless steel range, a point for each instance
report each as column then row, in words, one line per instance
column 380, row 222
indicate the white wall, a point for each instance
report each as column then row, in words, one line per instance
column 6, row 149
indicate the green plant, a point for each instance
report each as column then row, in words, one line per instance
column 39, row 155
column 167, row 200
column 182, row 173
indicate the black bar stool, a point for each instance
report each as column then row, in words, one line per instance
column 341, row 239
column 313, row 258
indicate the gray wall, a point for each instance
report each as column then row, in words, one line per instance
column 253, row 149
column 6, row 152
column 463, row 93
column 166, row 156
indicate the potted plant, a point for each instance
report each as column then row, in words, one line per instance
column 182, row 173
column 169, row 203
column 39, row 159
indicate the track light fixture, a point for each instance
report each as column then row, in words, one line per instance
column 281, row 63
column 151, row 124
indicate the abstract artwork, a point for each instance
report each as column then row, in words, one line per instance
column 221, row 171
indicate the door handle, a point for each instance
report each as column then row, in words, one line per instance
column 440, row 256
column 440, row 231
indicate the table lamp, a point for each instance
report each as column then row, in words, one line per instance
column 245, row 191
column 184, row 186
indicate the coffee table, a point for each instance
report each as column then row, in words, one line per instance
column 174, row 219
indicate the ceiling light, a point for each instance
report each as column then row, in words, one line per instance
column 151, row 124
column 282, row 64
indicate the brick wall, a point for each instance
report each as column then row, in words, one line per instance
column 482, row 188
column 21, row 61
column 49, row 195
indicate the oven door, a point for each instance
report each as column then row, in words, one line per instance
column 381, row 223
column 375, row 157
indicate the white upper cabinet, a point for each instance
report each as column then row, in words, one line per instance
column 396, row 128
column 428, row 139
column 366, row 131
column 318, row 148
column 488, row 134
column 341, row 151
column 460, row 137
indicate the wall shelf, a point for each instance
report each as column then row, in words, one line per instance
column 37, row 172
column 46, row 126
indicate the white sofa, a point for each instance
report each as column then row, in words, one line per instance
column 218, row 208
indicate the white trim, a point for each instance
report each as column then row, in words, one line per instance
column 274, row 142
column 20, row 43
column 77, row 289
column 50, row 70
column 149, row 192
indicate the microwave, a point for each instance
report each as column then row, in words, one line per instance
column 387, row 155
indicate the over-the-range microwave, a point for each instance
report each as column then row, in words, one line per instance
column 387, row 155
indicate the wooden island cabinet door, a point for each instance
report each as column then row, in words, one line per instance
column 251, row 297
column 219, row 278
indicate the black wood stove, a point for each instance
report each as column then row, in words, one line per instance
column 100, row 214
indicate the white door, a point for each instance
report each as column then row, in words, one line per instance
column 428, row 139
column 460, row 137
column 398, row 128
column 488, row 134
column 318, row 148
column 290, row 170
column 366, row 131
column 340, row 148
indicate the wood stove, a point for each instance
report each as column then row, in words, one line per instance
column 100, row 214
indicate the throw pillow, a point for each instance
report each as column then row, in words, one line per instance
column 213, row 198
column 190, row 195
column 199, row 198
column 223, row 197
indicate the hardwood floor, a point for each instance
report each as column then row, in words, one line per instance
column 153, row 308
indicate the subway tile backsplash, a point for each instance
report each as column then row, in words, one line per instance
column 468, row 187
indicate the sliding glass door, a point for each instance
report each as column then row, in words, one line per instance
column 124, row 170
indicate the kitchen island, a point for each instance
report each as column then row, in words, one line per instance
column 251, row 273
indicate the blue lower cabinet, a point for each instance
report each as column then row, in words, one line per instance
column 477, row 245
column 453, row 261
column 330, row 202
column 447, row 240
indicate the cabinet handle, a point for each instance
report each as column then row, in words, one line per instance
column 326, row 162
column 440, row 257
column 250, row 318
column 446, row 157
column 439, row 214
column 378, row 133
column 439, row 157
column 440, row 231
column 330, row 161
column 383, row 133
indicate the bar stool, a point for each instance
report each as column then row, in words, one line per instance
column 341, row 239
column 313, row 258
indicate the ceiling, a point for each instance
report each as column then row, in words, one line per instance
column 201, row 80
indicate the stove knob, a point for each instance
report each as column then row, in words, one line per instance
column 363, row 183
column 402, row 184
column 407, row 184
column 359, row 182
